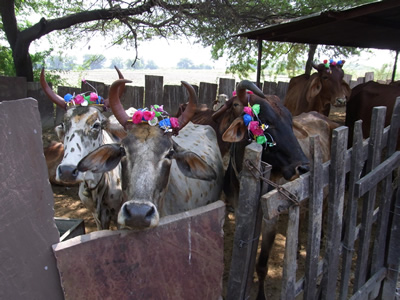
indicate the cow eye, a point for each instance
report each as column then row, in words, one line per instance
column 170, row 154
column 96, row 126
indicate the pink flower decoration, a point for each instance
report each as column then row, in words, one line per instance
column 137, row 117
column 148, row 115
column 93, row 97
column 248, row 111
column 174, row 122
column 234, row 93
column 255, row 128
column 79, row 99
column 258, row 131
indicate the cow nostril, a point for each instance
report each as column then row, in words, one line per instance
column 151, row 212
column 75, row 173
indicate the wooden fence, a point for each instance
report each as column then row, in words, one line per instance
column 359, row 255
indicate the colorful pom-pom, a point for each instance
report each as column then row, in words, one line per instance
column 256, row 108
column 68, row 97
column 93, row 97
column 247, row 119
column 174, row 122
column 137, row 117
column 148, row 115
column 248, row 110
column 165, row 124
column 325, row 61
column 79, row 99
column 261, row 139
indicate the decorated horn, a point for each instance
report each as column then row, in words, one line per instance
column 121, row 89
column 50, row 93
column 115, row 103
column 190, row 110
column 247, row 85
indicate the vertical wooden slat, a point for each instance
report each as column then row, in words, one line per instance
column 173, row 96
column 351, row 210
column 315, row 220
column 226, row 86
column 393, row 257
column 282, row 89
column 153, row 90
column 374, row 153
column 378, row 254
column 133, row 96
column 270, row 88
column 288, row 291
column 207, row 93
column 335, row 212
column 246, row 236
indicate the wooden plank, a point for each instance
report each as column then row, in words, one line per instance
column 173, row 96
column 207, row 93
column 377, row 120
column 350, row 220
column 373, row 282
column 245, row 231
column 270, row 88
column 282, row 89
column 153, row 90
column 393, row 257
column 288, row 291
column 133, row 96
column 370, row 180
column 335, row 212
column 369, row 76
column 378, row 253
column 226, row 86
column 315, row 220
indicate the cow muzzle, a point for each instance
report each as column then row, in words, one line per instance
column 138, row 215
column 291, row 173
column 340, row 101
column 68, row 174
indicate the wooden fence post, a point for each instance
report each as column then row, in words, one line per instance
column 207, row 93
column 226, row 86
column 246, row 232
column 153, row 90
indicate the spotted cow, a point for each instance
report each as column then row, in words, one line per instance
column 84, row 129
column 161, row 174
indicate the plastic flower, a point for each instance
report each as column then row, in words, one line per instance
column 256, row 108
column 148, row 115
column 165, row 124
column 93, row 97
column 174, row 122
column 137, row 117
column 248, row 111
column 247, row 119
column 261, row 139
column 79, row 99
column 68, row 97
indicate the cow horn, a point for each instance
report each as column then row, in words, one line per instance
column 241, row 90
column 115, row 102
column 314, row 65
column 121, row 89
column 50, row 93
column 190, row 110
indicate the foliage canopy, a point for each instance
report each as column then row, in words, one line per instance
column 127, row 23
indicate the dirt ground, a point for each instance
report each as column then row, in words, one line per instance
column 68, row 205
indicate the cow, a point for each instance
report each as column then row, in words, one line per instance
column 161, row 174
column 53, row 154
column 220, row 101
column 317, row 92
column 364, row 97
column 85, row 128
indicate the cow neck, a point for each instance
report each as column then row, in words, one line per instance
column 98, row 185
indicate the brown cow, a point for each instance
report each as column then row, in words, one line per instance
column 318, row 91
column 364, row 97
column 53, row 154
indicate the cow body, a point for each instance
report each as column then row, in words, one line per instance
column 161, row 174
column 317, row 92
column 364, row 97
column 53, row 154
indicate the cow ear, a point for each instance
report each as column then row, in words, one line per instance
column 103, row 159
column 235, row 132
column 192, row 165
column 346, row 89
column 314, row 89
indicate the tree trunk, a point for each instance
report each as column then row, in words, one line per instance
column 23, row 64
column 310, row 58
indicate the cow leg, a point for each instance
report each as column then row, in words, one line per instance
column 269, row 228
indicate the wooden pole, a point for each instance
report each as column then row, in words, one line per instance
column 395, row 65
column 259, row 41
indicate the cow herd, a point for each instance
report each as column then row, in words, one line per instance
column 143, row 164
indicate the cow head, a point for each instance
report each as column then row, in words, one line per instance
column 82, row 131
column 270, row 125
column 146, row 154
column 327, row 86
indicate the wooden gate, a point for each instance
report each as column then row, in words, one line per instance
column 358, row 258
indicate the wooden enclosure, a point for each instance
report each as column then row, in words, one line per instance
column 358, row 256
